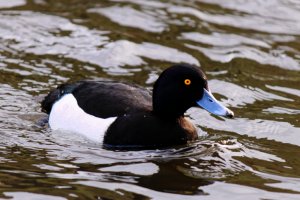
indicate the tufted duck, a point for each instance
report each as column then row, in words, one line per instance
column 126, row 116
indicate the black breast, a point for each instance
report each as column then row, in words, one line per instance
column 145, row 130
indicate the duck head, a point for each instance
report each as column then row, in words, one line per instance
column 181, row 87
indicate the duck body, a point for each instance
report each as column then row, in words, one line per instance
column 128, row 116
column 145, row 129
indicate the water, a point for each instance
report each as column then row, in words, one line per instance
column 250, row 50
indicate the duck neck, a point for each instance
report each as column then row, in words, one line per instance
column 168, row 110
column 167, row 114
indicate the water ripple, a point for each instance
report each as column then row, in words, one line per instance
column 238, row 96
column 131, row 17
column 223, row 40
column 259, row 128
column 11, row 3
column 80, row 43
column 269, row 23
column 227, row 54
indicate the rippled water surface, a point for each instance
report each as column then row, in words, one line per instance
column 250, row 50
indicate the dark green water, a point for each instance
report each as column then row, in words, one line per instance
column 250, row 50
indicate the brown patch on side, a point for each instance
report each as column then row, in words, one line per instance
column 189, row 128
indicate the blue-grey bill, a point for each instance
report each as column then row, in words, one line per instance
column 209, row 103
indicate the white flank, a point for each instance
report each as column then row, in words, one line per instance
column 68, row 116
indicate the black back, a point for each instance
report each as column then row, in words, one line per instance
column 111, row 99
column 102, row 98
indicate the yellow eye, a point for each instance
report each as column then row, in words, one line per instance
column 187, row 82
